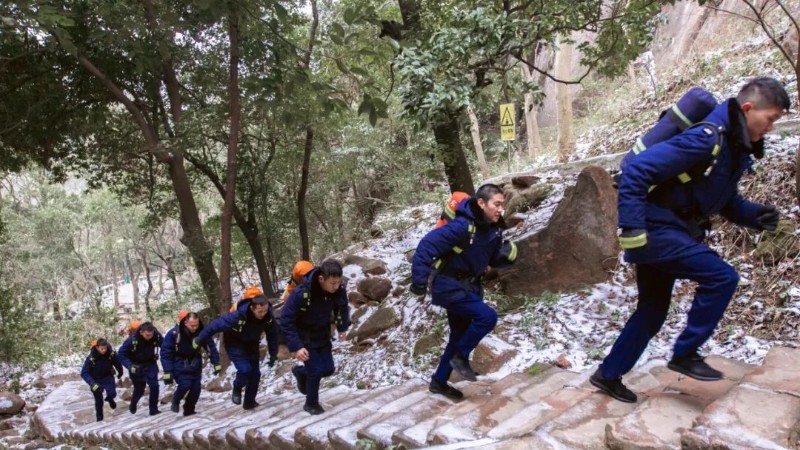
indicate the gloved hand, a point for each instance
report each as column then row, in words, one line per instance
column 418, row 289
column 167, row 378
column 95, row 387
column 632, row 238
column 768, row 217
column 217, row 369
column 271, row 362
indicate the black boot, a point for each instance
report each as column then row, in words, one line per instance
column 694, row 366
column 188, row 411
column 132, row 408
column 461, row 365
column 613, row 387
column 445, row 389
column 175, row 406
column 112, row 403
column 249, row 406
column 236, row 397
column 313, row 409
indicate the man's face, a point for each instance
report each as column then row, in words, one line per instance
column 330, row 284
column 760, row 121
column 259, row 310
column 191, row 324
column 102, row 349
column 147, row 335
column 494, row 207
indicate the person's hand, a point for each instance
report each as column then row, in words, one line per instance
column 216, row 369
column 768, row 218
column 632, row 238
column 342, row 336
column 301, row 355
column 418, row 289
column 167, row 378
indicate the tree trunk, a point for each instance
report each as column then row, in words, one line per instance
column 114, row 285
column 566, row 136
column 475, row 131
column 134, row 282
column 230, row 181
column 301, row 194
column 146, row 267
column 532, row 135
column 451, row 153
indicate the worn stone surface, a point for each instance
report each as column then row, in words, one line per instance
column 356, row 298
column 380, row 321
column 747, row 417
column 375, row 288
column 578, row 246
column 780, row 371
column 368, row 265
column 521, row 200
column 219, row 384
column 490, row 355
column 524, row 181
column 427, row 343
column 10, row 403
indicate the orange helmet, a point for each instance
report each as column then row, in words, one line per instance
column 300, row 269
column 252, row 292
column 133, row 326
column 93, row 344
column 182, row 314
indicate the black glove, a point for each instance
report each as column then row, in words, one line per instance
column 271, row 362
column 632, row 238
column 768, row 217
column 418, row 289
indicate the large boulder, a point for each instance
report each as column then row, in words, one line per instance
column 578, row 246
column 380, row 321
column 356, row 298
column 427, row 343
column 778, row 245
column 375, row 288
column 522, row 200
column 368, row 265
column 10, row 403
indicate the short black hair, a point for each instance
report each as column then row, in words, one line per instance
column 101, row 342
column 764, row 92
column 487, row 191
column 147, row 326
column 330, row 268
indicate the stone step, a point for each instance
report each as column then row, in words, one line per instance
column 282, row 434
column 666, row 411
column 346, row 437
column 761, row 412
column 471, row 419
column 411, row 429
column 544, row 404
column 51, row 418
column 237, row 437
column 316, row 436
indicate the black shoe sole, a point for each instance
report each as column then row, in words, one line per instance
column 463, row 372
column 683, row 371
column 608, row 391
column 447, row 395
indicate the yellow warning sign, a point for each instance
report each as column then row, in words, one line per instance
column 507, row 122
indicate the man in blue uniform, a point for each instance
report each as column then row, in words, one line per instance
column 306, row 321
column 139, row 354
column 662, row 228
column 98, row 373
column 457, row 255
column 242, row 330
column 183, row 364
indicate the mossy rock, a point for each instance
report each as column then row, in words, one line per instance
column 529, row 198
column 777, row 245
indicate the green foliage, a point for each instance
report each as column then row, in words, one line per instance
column 537, row 368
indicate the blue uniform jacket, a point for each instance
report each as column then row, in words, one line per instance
column 243, row 332
column 137, row 351
column 306, row 316
column 99, row 367
column 178, row 355
column 668, row 235
column 486, row 249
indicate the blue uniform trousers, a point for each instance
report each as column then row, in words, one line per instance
column 248, row 374
column 106, row 385
column 187, row 384
column 717, row 281
column 146, row 374
column 318, row 366
column 470, row 320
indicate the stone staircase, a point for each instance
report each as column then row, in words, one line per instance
column 754, row 407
